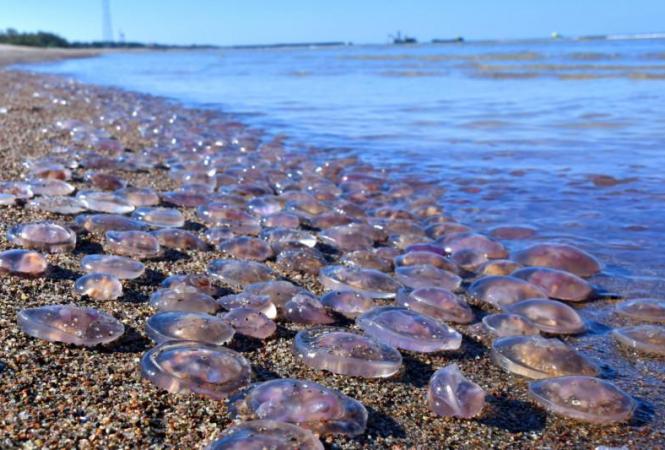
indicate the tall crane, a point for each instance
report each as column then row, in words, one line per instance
column 107, row 29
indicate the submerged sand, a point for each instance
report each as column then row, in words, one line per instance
column 61, row 396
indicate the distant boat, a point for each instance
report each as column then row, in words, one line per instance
column 400, row 40
column 457, row 40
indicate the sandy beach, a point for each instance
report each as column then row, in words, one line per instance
column 61, row 396
column 12, row 54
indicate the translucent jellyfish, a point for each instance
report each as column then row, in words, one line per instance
column 281, row 220
column 583, row 398
column 348, row 303
column 549, row 316
column 105, row 181
column 185, row 366
column 426, row 275
column 139, row 196
column 408, row 330
column 24, row 263
column 106, row 202
column 18, row 189
column 245, row 247
column 500, row 267
column 99, row 286
column 196, row 281
column 45, row 236
column 120, row 266
column 367, row 259
column 460, row 241
column 220, row 213
column 239, row 274
column 304, row 403
column 500, row 291
column 183, row 198
column 43, row 170
column 345, row 353
column 179, row 239
column 101, row 223
column 469, row 259
column 307, row 309
column 329, row 220
column 367, row 281
column 348, row 238
column 538, row 357
column 556, row 283
column 250, row 322
column 301, row 260
column 187, row 301
column 138, row 244
column 286, row 235
column 51, row 188
column 57, row 204
column 188, row 326
column 279, row 291
column 450, row 394
column 260, row 303
column 647, row 309
column 559, row 256
column 70, row 324
column 506, row 324
column 643, row 338
column 266, row 434
column 160, row 217
column 417, row 258
column 439, row 303
column 438, row 230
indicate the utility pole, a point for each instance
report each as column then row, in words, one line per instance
column 107, row 29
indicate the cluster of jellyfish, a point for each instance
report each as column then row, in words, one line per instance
column 391, row 263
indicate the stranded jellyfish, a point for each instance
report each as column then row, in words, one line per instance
column 279, row 291
column 492, row 249
column 266, row 434
column 239, row 274
column 307, row 309
column 138, row 244
column 538, row 357
column 367, row 281
column 51, row 188
column 499, row 267
column 187, row 366
column 139, row 196
column 25, row 263
column 57, row 204
column 188, row 326
column 345, row 353
column 648, row 309
column 120, row 266
column 556, row 283
column 348, row 238
column 178, row 239
column 245, row 247
column 417, row 258
column 99, row 286
column 583, row 398
column 45, row 236
column 450, row 394
column 107, row 202
column 408, row 330
column 559, row 256
column 101, row 223
column 549, row 316
column 304, row 403
column 507, row 324
column 348, row 303
column 512, row 232
column 368, row 259
column 70, row 324
column 256, row 302
column 197, row 281
column 160, row 217
column 188, row 301
column 250, row 322
column 301, row 260
column 499, row 291
column 643, row 338
column 426, row 275
column 438, row 303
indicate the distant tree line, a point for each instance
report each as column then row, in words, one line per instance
column 45, row 39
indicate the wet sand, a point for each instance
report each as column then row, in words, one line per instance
column 61, row 396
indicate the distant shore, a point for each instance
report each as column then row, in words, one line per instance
column 13, row 54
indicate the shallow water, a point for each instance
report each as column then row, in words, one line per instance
column 513, row 130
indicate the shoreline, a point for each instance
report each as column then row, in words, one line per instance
column 64, row 396
column 14, row 54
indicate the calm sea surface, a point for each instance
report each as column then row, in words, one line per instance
column 517, row 132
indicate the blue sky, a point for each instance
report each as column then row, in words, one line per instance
column 227, row 22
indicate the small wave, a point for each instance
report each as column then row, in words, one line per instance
column 410, row 73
